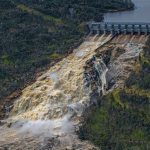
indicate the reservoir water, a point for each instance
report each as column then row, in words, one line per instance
column 141, row 13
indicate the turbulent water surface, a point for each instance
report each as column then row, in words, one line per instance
column 52, row 106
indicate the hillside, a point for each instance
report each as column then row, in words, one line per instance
column 38, row 33
column 121, row 121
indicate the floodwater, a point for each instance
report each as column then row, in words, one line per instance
column 141, row 13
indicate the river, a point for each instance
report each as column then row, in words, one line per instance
column 141, row 13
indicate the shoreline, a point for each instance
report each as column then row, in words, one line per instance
column 121, row 10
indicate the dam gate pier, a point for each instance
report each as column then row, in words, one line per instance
column 119, row 28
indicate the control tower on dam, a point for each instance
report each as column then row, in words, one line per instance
column 119, row 28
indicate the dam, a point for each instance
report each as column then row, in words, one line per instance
column 119, row 28
column 48, row 113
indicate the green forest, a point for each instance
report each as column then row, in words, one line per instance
column 122, row 120
column 36, row 34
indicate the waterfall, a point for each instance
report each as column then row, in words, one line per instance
column 96, row 77
column 101, row 69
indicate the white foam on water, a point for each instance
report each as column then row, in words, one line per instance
column 46, row 128
column 54, row 76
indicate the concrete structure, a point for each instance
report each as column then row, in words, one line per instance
column 119, row 28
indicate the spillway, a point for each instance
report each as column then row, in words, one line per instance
column 49, row 112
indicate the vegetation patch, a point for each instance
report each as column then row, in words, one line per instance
column 56, row 56
column 39, row 14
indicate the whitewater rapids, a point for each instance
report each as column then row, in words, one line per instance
column 49, row 110
column 46, row 108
